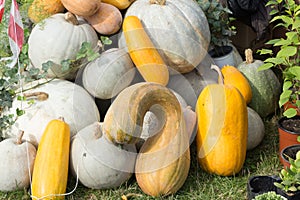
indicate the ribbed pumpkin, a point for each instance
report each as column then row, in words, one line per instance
column 256, row 129
column 58, row 38
column 17, row 159
column 232, row 76
column 120, row 4
column 108, row 74
column 82, row 7
column 222, row 129
column 41, row 9
column 178, row 29
column 50, row 172
column 107, row 20
column 264, row 84
column 143, row 53
column 91, row 153
column 163, row 162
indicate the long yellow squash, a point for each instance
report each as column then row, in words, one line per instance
column 50, row 173
column 232, row 76
column 143, row 53
column 120, row 4
column 222, row 129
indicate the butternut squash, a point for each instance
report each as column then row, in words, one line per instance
column 120, row 4
column 50, row 172
column 143, row 52
column 222, row 129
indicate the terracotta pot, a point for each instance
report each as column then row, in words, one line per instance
column 286, row 137
column 289, row 151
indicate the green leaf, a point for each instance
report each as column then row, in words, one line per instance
column 47, row 65
column 282, row 42
column 275, row 61
column 20, row 112
column 283, row 101
column 105, row 40
column 287, row 85
column 286, row 94
column 291, row 112
column 265, row 66
column 265, row 51
column 286, row 19
column 21, row 98
column 65, row 65
column 273, row 41
column 295, row 71
column 287, row 52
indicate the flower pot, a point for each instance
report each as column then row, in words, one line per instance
column 222, row 56
column 289, row 196
column 287, row 136
column 290, row 105
column 289, row 152
column 261, row 184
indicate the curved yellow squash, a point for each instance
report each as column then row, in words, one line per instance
column 222, row 129
column 232, row 76
column 120, row 4
column 143, row 53
column 50, row 172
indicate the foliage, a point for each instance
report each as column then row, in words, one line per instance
column 218, row 17
column 269, row 196
column 286, row 14
column 290, row 176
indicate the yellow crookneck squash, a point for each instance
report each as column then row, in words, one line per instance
column 120, row 4
column 222, row 129
column 163, row 161
column 50, row 173
column 232, row 76
column 143, row 53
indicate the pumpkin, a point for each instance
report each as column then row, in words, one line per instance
column 190, row 30
column 190, row 85
column 120, row 4
column 50, row 173
column 17, row 159
column 232, row 76
column 108, row 74
column 82, row 7
column 107, row 20
column 256, row 129
column 264, row 84
column 58, row 38
column 41, row 9
column 222, row 129
column 163, row 161
column 143, row 53
column 52, row 99
column 91, row 153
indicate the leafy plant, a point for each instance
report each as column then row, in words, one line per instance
column 218, row 17
column 290, row 176
column 286, row 14
column 269, row 196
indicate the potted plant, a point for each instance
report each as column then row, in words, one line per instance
column 269, row 196
column 288, row 153
column 218, row 17
column 289, row 184
column 286, row 58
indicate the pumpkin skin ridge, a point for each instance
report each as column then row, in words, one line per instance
column 141, row 96
column 211, row 162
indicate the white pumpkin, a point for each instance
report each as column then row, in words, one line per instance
column 17, row 160
column 178, row 29
column 109, row 74
column 58, row 38
column 61, row 99
column 98, row 163
column 256, row 129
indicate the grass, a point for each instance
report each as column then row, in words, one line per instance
column 263, row 160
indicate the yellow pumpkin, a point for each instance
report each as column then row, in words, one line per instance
column 143, row 53
column 232, row 76
column 50, row 172
column 163, row 161
column 41, row 9
column 222, row 129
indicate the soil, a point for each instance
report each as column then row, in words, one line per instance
column 291, row 125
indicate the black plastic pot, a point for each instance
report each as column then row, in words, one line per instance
column 291, row 196
column 261, row 184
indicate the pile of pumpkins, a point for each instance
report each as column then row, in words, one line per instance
column 155, row 77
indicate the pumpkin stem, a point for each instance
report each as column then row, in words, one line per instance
column 19, row 137
column 61, row 119
column 159, row 2
column 40, row 96
column 249, row 56
column 220, row 76
column 98, row 130
column 71, row 18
